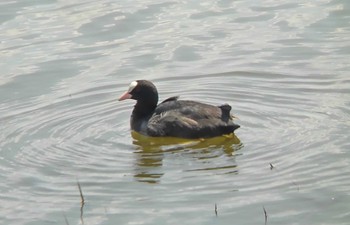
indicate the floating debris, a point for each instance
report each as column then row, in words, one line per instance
column 265, row 213
column 82, row 203
column 296, row 185
column 65, row 219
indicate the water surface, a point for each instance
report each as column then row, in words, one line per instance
column 283, row 66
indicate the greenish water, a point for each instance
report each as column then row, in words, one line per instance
column 283, row 66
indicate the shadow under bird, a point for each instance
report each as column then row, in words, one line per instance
column 174, row 117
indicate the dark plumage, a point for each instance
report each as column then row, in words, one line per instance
column 175, row 118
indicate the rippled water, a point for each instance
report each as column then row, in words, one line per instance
column 283, row 66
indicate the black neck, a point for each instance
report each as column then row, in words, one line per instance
column 141, row 114
column 144, row 108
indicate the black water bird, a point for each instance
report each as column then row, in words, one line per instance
column 176, row 118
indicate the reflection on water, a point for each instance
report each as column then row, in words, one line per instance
column 150, row 152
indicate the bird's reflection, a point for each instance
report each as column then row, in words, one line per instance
column 150, row 152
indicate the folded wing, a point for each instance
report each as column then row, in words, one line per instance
column 190, row 119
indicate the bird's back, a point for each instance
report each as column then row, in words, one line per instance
column 190, row 119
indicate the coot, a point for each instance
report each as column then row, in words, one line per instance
column 175, row 118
